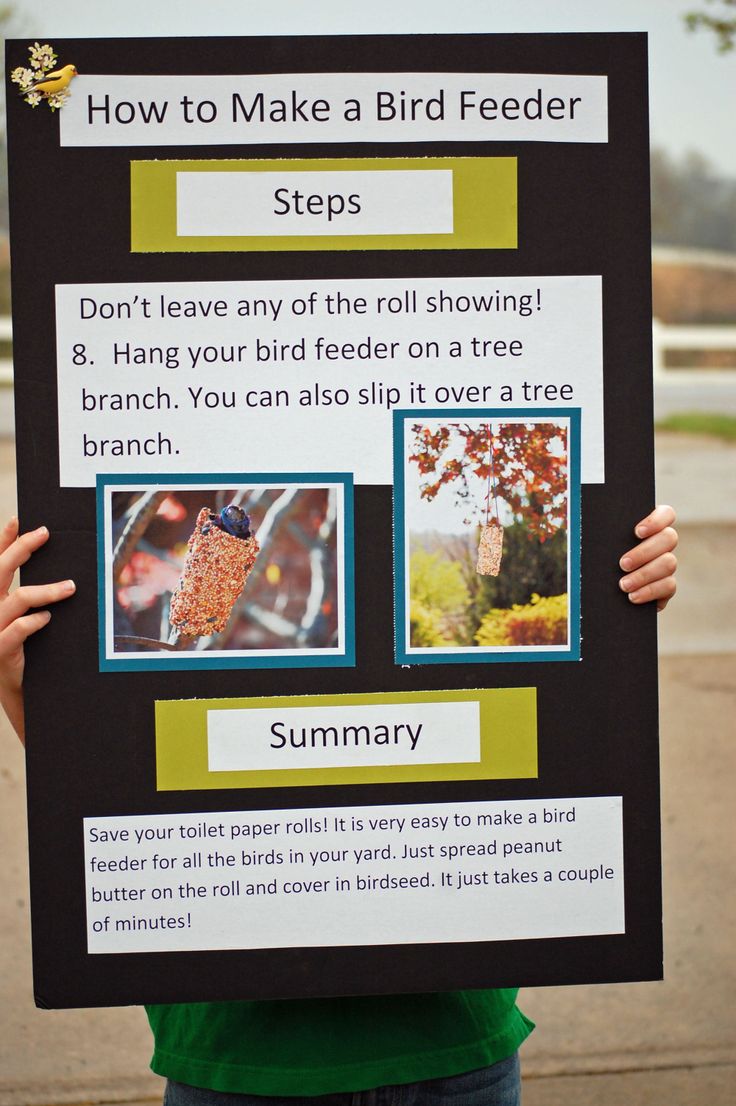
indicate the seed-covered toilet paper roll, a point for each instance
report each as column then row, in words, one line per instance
column 222, row 551
column 490, row 550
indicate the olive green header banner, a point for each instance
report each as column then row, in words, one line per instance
column 507, row 746
column 481, row 205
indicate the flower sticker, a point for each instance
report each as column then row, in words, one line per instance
column 40, row 80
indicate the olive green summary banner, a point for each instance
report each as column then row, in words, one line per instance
column 484, row 205
column 507, row 745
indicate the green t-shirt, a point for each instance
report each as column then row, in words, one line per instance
column 325, row 1046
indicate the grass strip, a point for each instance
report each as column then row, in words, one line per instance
column 701, row 422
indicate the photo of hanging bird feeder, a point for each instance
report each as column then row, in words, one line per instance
column 490, row 546
column 249, row 573
column 486, row 532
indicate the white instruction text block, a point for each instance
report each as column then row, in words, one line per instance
column 363, row 875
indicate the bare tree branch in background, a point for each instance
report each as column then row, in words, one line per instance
column 144, row 643
column 136, row 526
column 140, row 516
column 723, row 23
column 321, row 565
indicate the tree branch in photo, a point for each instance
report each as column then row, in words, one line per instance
column 522, row 464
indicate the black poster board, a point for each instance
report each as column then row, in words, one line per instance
column 530, row 854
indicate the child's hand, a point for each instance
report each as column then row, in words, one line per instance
column 650, row 566
column 16, row 624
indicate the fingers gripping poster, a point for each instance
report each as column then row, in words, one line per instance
column 332, row 372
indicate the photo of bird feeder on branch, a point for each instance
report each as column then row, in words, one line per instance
column 246, row 572
column 488, row 545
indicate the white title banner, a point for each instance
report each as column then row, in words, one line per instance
column 111, row 110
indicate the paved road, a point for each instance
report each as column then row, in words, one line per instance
column 658, row 1044
column 699, row 476
column 675, row 1039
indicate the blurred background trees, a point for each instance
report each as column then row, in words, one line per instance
column 720, row 18
column 691, row 205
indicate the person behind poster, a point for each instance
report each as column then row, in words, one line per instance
column 459, row 1046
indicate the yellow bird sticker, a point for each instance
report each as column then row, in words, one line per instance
column 40, row 80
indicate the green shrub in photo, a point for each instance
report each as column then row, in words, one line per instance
column 439, row 601
column 542, row 621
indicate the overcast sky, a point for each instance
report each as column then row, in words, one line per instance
column 693, row 88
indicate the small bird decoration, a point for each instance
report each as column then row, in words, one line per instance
column 41, row 80
column 232, row 520
column 51, row 83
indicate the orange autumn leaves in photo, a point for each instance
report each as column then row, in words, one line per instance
column 530, row 470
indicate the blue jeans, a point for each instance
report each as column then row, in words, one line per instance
column 497, row 1085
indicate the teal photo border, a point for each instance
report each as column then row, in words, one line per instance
column 470, row 655
column 185, row 661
